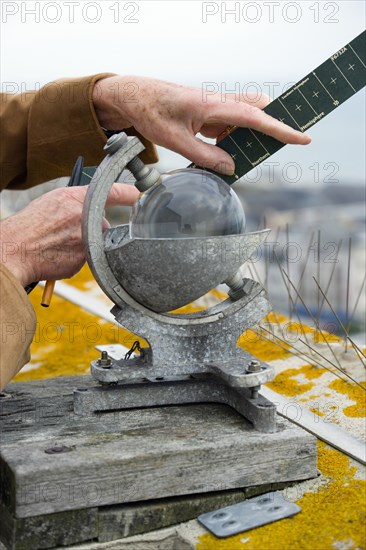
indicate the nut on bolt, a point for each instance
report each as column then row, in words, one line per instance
column 237, row 293
column 254, row 366
column 104, row 360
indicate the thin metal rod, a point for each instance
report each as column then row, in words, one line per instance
column 318, row 271
column 266, row 260
column 256, row 274
column 357, row 301
column 288, row 267
column 338, row 319
column 301, row 354
column 282, row 272
column 348, row 276
column 275, row 243
column 317, row 325
column 304, row 267
column 335, row 366
column 332, row 272
column 347, row 287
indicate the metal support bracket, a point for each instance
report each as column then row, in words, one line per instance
column 192, row 358
column 160, row 391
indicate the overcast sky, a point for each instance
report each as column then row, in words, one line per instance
column 194, row 42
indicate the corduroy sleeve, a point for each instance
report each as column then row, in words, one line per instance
column 17, row 326
column 42, row 133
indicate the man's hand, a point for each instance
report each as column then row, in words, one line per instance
column 43, row 241
column 171, row 115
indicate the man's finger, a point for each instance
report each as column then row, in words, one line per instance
column 122, row 194
column 259, row 100
column 247, row 116
column 206, row 155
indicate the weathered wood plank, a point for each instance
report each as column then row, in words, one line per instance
column 113, row 522
column 116, row 522
column 134, row 455
column 162, row 453
column 48, row 531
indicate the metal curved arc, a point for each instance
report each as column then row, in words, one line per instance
column 92, row 219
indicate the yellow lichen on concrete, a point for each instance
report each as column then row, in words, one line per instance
column 355, row 393
column 322, row 337
column 298, row 329
column 84, row 279
column 311, row 371
column 275, row 318
column 316, row 411
column 333, row 515
column 285, row 382
column 261, row 347
column 65, row 339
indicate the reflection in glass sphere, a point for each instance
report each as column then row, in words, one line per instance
column 187, row 203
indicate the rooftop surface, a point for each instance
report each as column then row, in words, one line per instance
column 333, row 505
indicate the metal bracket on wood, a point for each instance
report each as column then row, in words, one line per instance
column 176, row 390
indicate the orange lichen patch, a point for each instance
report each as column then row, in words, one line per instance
column 82, row 279
column 355, row 393
column 322, row 337
column 317, row 411
column 331, row 516
column 274, row 318
column 66, row 336
column 298, row 328
column 213, row 296
column 190, row 308
column 263, row 346
column 218, row 294
column 311, row 372
column 65, row 339
column 286, row 384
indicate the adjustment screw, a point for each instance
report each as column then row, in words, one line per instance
column 254, row 366
column 104, row 360
column 115, row 142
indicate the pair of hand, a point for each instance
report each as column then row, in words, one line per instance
column 43, row 241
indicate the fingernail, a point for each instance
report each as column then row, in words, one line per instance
column 224, row 168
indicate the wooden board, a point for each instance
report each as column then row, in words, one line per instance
column 134, row 455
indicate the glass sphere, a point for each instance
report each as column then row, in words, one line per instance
column 187, row 203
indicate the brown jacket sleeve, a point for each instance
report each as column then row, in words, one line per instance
column 42, row 133
column 17, row 325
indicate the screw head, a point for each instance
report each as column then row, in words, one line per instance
column 58, row 450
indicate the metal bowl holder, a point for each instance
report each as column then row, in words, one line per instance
column 191, row 358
